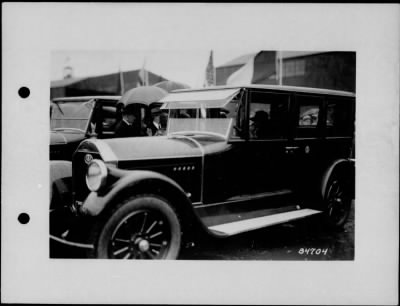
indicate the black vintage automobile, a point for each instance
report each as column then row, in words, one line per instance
column 74, row 119
column 234, row 159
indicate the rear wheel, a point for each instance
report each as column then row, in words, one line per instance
column 142, row 227
column 338, row 202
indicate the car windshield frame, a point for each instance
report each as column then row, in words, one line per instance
column 200, row 105
column 81, row 103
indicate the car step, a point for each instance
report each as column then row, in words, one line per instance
column 237, row 227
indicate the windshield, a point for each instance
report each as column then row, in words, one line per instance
column 203, row 121
column 70, row 115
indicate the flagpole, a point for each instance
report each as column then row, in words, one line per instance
column 215, row 77
column 145, row 72
column 121, row 80
column 280, row 68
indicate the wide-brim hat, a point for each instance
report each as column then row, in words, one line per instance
column 156, row 111
column 129, row 109
column 259, row 116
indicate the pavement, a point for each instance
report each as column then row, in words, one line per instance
column 305, row 239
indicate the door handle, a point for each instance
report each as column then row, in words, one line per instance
column 291, row 149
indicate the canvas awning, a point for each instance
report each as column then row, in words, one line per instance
column 194, row 99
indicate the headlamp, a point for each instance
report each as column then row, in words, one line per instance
column 96, row 175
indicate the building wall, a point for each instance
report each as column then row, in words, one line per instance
column 330, row 70
column 333, row 70
column 103, row 85
column 57, row 92
column 223, row 73
column 265, row 68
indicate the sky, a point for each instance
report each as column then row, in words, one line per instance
column 186, row 66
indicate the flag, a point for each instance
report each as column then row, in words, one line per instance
column 261, row 68
column 243, row 75
column 143, row 76
column 121, row 82
column 210, row 72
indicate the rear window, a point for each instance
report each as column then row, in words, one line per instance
column 339, row 117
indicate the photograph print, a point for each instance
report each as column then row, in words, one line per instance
column 216, row 155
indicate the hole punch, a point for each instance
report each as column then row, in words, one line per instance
column 24, row 92
column 23, row 218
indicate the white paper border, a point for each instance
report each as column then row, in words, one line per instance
column 32, row 31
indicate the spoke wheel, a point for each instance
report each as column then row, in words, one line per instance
column 143, row 234
column 143, row 227
column 337, row 203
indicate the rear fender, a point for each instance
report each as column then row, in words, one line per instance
column 343, row 166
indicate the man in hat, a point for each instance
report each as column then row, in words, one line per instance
column 128, row 126
column 259, row 127
column 155, row 125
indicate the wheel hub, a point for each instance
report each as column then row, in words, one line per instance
column 142, row 244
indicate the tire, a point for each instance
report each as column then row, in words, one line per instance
column 142, row 227
column 337, row 202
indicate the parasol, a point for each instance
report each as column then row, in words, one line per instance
column 171, row 85
column 143, row 95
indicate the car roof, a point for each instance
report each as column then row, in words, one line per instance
column 76, row 99
column 279, row 88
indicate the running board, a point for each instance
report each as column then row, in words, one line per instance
column 233, row 228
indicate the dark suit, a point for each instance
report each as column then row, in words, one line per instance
column 153, row 128
column 124, row 130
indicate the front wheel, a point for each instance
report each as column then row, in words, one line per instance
column 142, row 227
column 338, row 202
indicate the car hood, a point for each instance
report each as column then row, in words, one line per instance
column 155, row 147
column 60, row 138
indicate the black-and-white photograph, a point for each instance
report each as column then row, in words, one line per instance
column 200, row 153
column 160, row 163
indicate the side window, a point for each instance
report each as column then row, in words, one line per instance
column 109, row 119
column 184, row 113
column 339, row 117
column 268, row 115
column 105, row 120
column 308, row 115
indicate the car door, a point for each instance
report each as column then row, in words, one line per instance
column 306, row 147
column 268, row 142
column 226, row 171
column 254, row 165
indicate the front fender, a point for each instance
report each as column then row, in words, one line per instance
column 96, row 202
column 60, row 182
